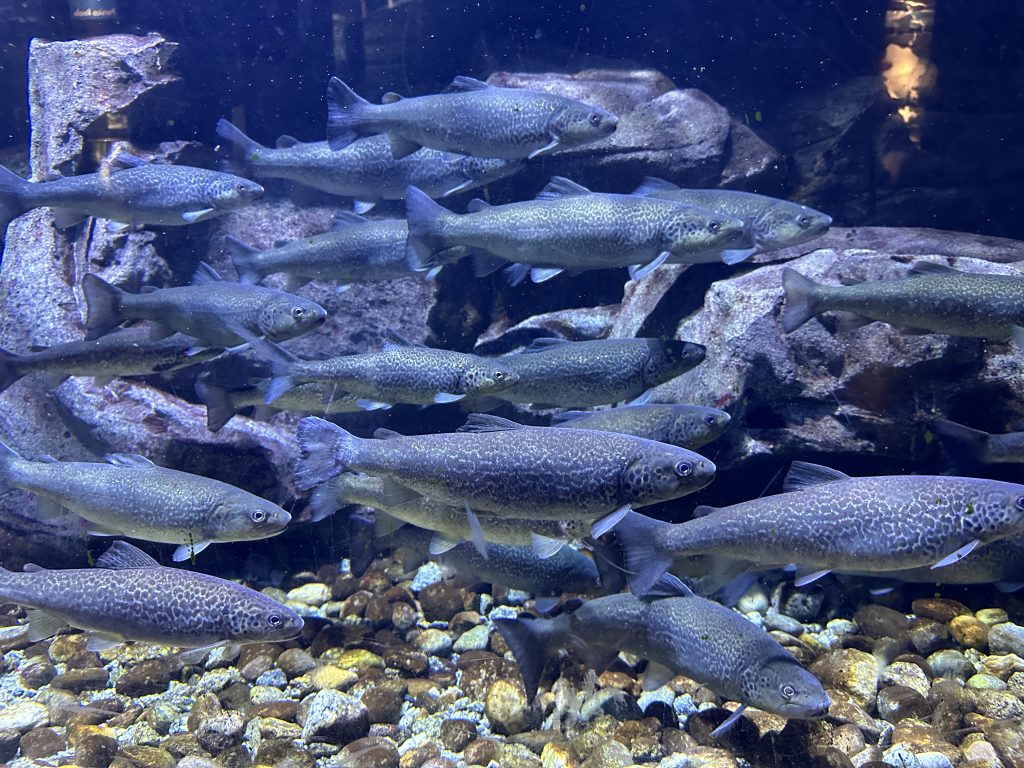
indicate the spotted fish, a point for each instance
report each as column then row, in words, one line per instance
column 688, row 426
column 132, row 597
column 829, row 521
column 223, row 404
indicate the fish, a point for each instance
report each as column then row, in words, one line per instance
column 972, row 447
column 129, row 495
column 141, row 194
column 128, row 352
column 496, row 466
column 827, row 521
column 213, row 311
column 688, row 426
column 579, row 374
column 469, row 118
column 770, row 223
column 131, row 597
column 402, row 372
column 451, row 525
column 356, row 250
column 223, row 404
column 365, row 169
column 932, row 298
column 567, row 227
column 678, row 635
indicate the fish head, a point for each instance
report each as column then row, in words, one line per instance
column 659, row 472
column 786, row 223
column 244, row 517
column 668, row 359
column 286, row 316
column 226, row 192
column 580, row 123
column 482, row 376
column 782, row 686
column 260, row 619
column 689, row 229
column 697, row 424
column 484, row 170
column 994, row 509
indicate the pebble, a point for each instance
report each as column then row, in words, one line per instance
column 848, row 739
column 898, row 702
column 920, row 737
column 1006, row 638
column 457, row 733
column 951, row 663
column 357, row 660
column 939, row 608
column 42, row 742
column 148, row 757
column 999, row 705
column 403, row 616
column 934, row 760
column 384, row 701
column 367, row 752
column 440, row 601
column 147, row 677
column 969, row 631
column 880, row 621
column 991, row 616
column 986, row 682
column 852, row 670
column 506, row 707
column 473, row 639
column 335, row 717
column 314, row 594
column 898, row 756
column 436, row 642
column 78, row 680
column 220, row 731
column 908, row 674
column 38, row 674
column 23, row 716
column 294, row 662
column 609, row 754
column 333, row 676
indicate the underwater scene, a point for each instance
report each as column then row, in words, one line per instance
column 437, row 384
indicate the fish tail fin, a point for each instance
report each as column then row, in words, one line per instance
column 426, row 241
column 325, row 501
column 220, row 408
column 802, row 301
column 104, row 306
column 7, row 457
column 965, row 446
column 532, row 642
column 344, row 113
column 10, row 369
column 640, row 538
column 231, row 134
column 243, row 257
column 12, row 186
column 327, row 451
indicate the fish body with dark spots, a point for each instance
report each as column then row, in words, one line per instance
column 688, row 426
column 469, row 118
column 828, row 521
column 131, row 597
column 932, row 298
column 579, row 374
column 223, row 403
column 366, row 169
column 1000, row 563
column 505, row 468
column 129, row 495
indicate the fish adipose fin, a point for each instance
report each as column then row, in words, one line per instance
column 801, row 300
column 640, row 537
column 958, row 555
column 129, row 460
column 103, row 306
column 327, row 451
column 545, row 343
column 922, row 268
column 123, row 555
column 284, row 141
column 803, row 474
column 668, row 585
column 344, row 114
column 392, row 339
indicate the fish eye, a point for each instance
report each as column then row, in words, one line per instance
column 709, row 420
column 714, row 226
column 258, row 516
column 787, row 691
column 499, row 375
column 595, row 119
column 296, row 311
column 274, row 620
column 240, row 187
column 1020, row 502
column 803, row 222
column 684, row 469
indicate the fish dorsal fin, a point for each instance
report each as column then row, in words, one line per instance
column 803, row 474
column 922, row 268
column 652, row 185
column 463, row 84
column 285, row 141
column 122, row 555
column 346, row 219
column 205, row 274
column 394, row 340
column 548, row 342
column 485, row 422
column 382, row 433
column 476, row 204
column 559, row 186
column 132, row 460
column 391, row 97
column 123, row 160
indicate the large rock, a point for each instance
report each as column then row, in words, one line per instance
column 682, row 135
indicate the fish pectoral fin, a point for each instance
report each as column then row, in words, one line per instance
column 67, row 217
column 1006, row 587
column 439, row 544
column 447, row 397
column 196, row 655
column 42, row 625
column 118, row 227
column 736, row 255
column 476, row 532
column 656, row 675
column 729, row 722
column 394, row 494
column 461, row 187
column 188, row 551
column 608, row 522
column 545, row 546
column 101, row 642
column 362, row 206
column 803, row 474
column 805, row 576
column 547, row 149
column 193, row 216
column 401, row 146
column 958, row 555
column 639, row 272
column 543, row 274
column 1017, row 335
column 372, row 405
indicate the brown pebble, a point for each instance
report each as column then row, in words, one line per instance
column 284, row 709
column 879, row 621
column 463, row 620
column 95, row 751
column 898, row 702
column 38, row 674
column 369, row 752
column 84, row 660
column 42, row 742
column 64, row 647
column 480, row 670
column 78, row 680
column 481, row 751
column 251, row 651
column 939, row 608
column 440, row 601
column 344, row 587
column 416, row 757
column 969, row 632
column 457, row 733
column 848, row 738
column 294, row 662
column 284, row 754
column 148, row 757
column 384, row 701
column 148, row 677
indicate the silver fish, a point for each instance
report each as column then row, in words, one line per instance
column 685, row 635
column 130, row 596
column 971, row 447
column 497, row 466
column 402, row 372
column 830, row 521
column 141, row 194
column 365, row 169
column 469, row 118
column 223, row 404
column 130, row 352
column 1000, row 563
column 688, row 426
column 567, row 227
column 770, row 223
column 211, row 310
column 132, row 496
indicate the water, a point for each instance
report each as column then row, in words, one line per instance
column 896, row 125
